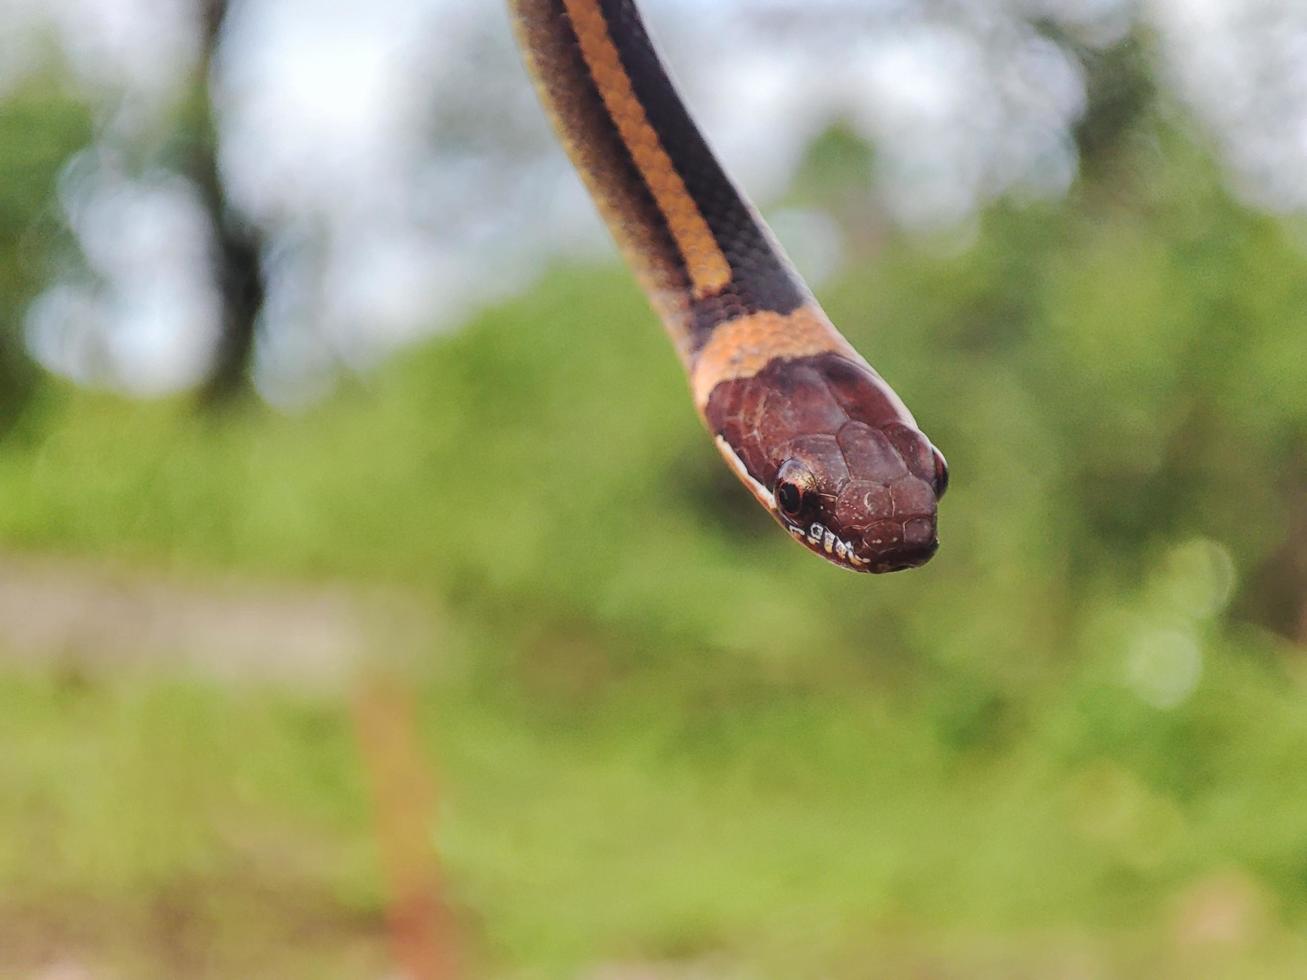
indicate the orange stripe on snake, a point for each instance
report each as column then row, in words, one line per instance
column 707, row 265
column 813, row 432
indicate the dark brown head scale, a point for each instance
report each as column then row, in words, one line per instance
column 832, row 452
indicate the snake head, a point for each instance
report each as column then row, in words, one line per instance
column 831, row 452
column 863, row 497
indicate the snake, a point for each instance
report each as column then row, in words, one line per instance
column 818, row 437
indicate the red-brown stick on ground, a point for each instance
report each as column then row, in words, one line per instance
column 422, row 929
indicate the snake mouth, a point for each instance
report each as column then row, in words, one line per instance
column 908, row 545
column 913, row 547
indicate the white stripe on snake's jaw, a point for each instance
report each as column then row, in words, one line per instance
column 764, row 495
column 818, row 535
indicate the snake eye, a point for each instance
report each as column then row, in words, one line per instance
column 941, row 475
column 789, row 498
column 793, row 484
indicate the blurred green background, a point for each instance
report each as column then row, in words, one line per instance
column 655, row 739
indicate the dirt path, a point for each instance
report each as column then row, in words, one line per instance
column 98, row 617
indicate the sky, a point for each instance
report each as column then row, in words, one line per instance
column 394, row 151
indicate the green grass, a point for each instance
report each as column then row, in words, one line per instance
column 595, row 814
column 169, row 825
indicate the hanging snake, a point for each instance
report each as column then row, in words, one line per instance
column 809, row 427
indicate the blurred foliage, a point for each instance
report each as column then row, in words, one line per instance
column 40, row 127
column 666, row 734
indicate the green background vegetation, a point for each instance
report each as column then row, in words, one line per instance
column 663, row 737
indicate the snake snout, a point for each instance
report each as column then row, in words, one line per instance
column 894, row 545
column 912, row 555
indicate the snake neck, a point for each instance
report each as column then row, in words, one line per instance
column 700, row 250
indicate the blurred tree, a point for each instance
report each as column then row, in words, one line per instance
column 40, row 127
column 1120, row 89
column 238, row 268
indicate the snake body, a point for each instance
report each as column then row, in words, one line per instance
column 809, row 427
